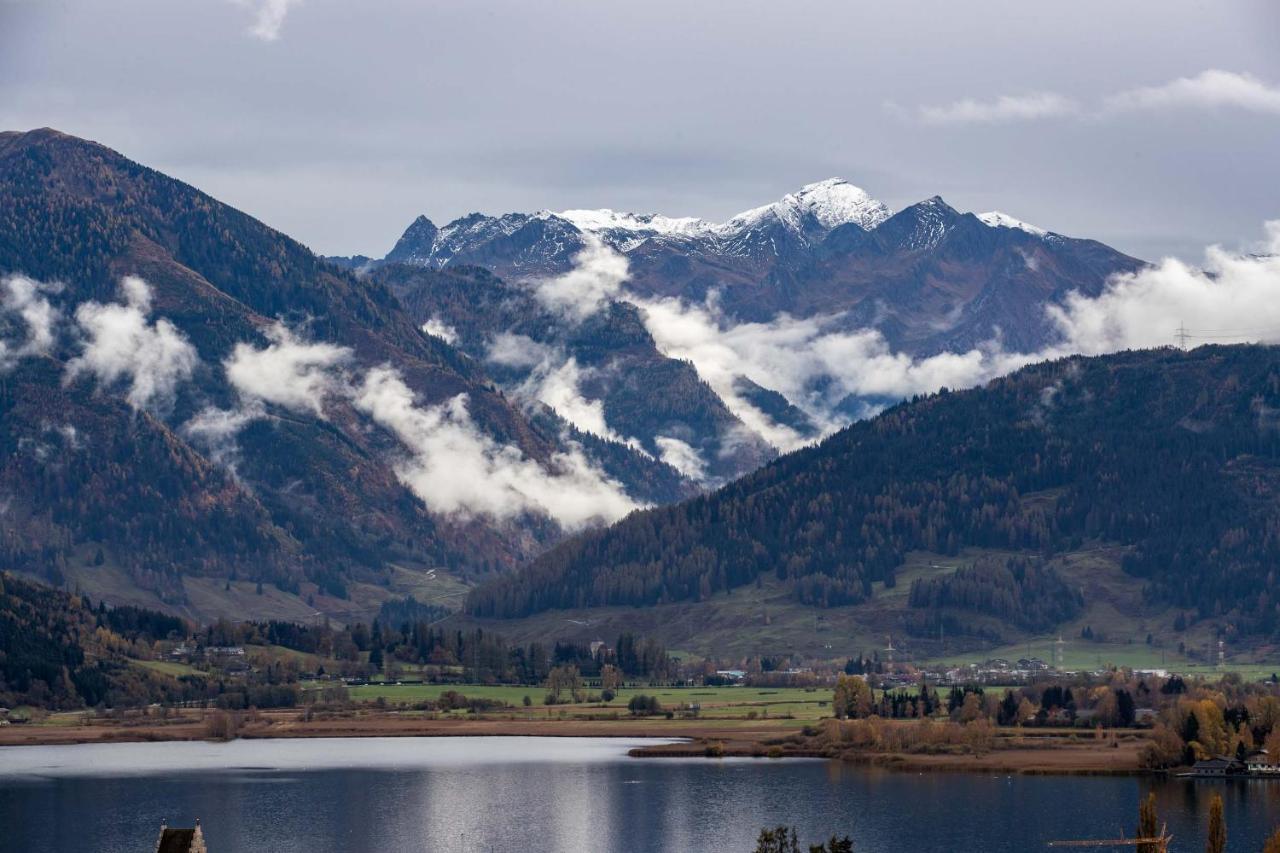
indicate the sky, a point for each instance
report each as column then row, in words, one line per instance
column 1153, row 125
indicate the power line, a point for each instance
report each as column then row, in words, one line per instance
column 1182, row 335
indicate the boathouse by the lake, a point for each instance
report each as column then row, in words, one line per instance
column 174, row 840
column 1219, row 765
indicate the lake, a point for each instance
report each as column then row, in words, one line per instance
column 559, row 795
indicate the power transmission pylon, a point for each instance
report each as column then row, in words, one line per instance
column 1182, row 334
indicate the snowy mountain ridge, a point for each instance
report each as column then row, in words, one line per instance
column 532, row 242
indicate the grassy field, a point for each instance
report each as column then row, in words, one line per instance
column 718, row 702
column 167, row 667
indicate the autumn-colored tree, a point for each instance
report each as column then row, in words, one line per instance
column 1217, row 842
column 1148, row 823
column 852, row 697
column 1273, row 843
column 610, row 677
column 971, row 709
column 1272, row 742
column 1163, row 749
column 564, row 678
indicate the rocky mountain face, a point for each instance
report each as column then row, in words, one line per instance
column 187, row 394
column 930, row 278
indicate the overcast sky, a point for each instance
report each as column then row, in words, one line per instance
column 1152, row 125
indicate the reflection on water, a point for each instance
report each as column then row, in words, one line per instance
column 558, row 795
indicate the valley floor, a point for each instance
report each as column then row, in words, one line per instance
column 1039, row 751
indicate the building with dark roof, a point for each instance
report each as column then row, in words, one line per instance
column 181, row 840
column 1218, row 765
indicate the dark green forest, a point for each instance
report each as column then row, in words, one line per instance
column 1171, row 453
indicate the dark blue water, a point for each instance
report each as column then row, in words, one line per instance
column 559, row 795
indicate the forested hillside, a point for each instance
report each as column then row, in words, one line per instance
column 186, row 392
column 1175, row 454
column 58, row 651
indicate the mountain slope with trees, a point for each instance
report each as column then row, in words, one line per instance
column 643, row 395
column 1173, row 454
column 311, row 500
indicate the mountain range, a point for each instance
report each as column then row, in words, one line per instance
column 931, row 278
column 201, row 415
column 828, row 261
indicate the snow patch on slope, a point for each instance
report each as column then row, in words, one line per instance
column 996, row 219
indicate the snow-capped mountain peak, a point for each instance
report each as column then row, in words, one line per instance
column 830, row 203
column 996, row 219
column 605, row 219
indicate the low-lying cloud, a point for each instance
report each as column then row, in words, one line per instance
column 289, row 372
column 458, row 470
column 440, row 329
column 25, row 299
column 555, row 380
column 683, row 457
column 1233, row 298
column 597, row 276
column 452, row 465
column 122, row 344
column 810, row 361
column 216, row 429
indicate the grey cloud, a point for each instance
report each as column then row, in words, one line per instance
column 1004, row 108
column 268, row 16
column 685, row 109
column 1213, row 89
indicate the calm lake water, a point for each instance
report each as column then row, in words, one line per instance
column 558, row 795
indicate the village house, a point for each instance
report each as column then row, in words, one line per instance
column 1259, row 763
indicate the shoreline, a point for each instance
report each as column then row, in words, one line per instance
column 1060, row 753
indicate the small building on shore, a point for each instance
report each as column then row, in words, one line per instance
column 181, row 840
column 1218, row 767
